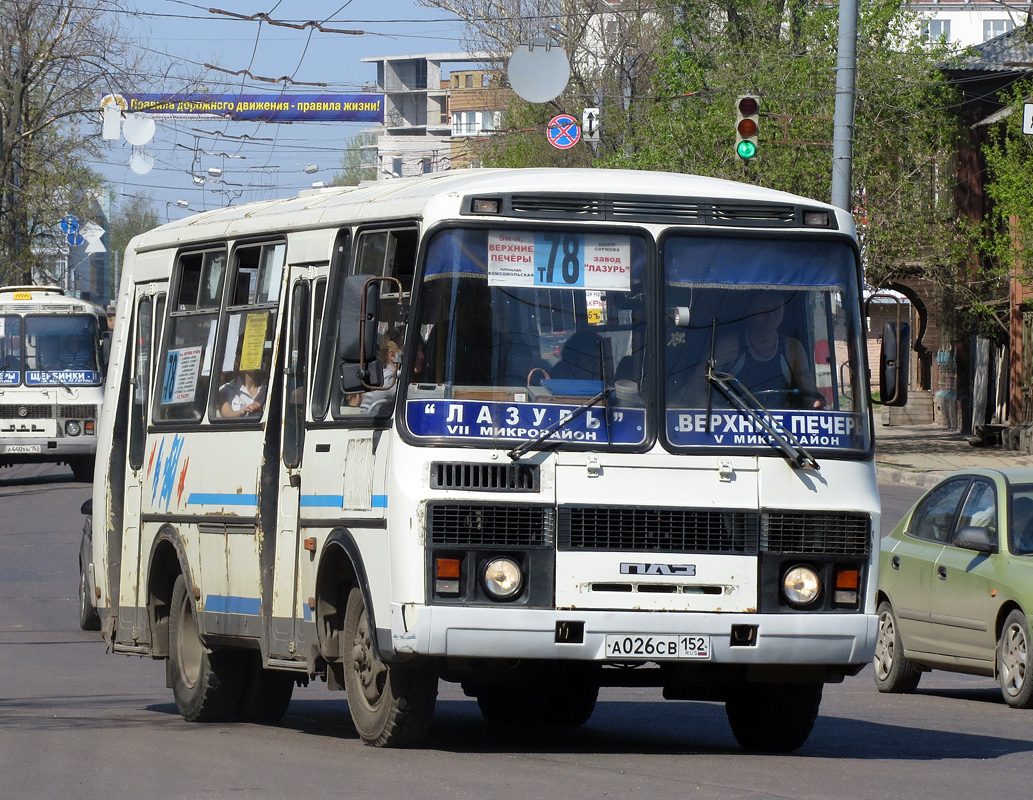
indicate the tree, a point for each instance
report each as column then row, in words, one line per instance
column 135, row 216
column 354, row 168
column 56, row 58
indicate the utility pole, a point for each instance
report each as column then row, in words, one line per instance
column 843, row 121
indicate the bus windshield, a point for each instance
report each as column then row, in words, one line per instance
column 517, row 328
column 58, row 350
column 776, row 323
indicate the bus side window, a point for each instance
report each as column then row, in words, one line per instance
column 185, row 364
column 141, row 381
column 245, row 352
column 383, row 253
column 297, row 375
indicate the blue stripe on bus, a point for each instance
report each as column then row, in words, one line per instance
column 222, row 604
column 337, row 501
column 202, row 499
column 322, row 500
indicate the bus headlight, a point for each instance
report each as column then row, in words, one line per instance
column 72, row 428
column 801, row 585
column 503, row 578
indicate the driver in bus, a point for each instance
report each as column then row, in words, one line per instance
column 72, row 354
column 773, row 366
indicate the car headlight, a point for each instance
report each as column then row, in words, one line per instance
column 801, row 585
column 72, row 428
column 503, row 578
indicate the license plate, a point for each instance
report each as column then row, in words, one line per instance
column 657, row 646
column 22, row 448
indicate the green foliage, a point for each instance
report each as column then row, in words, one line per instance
column 354, row 168
column 134, row 216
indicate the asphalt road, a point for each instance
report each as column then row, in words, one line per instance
column 76, row 722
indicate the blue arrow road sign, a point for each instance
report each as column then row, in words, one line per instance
column 69, row 224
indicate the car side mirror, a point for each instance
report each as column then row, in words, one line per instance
column 976, row 538
column 894, row 363
column 87, row 507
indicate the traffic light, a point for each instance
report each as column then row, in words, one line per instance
column 746, row 126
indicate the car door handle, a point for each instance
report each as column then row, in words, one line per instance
column 941, row 573
column 895, row 562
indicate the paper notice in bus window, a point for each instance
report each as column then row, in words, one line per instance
column 181, row 370
column 559, row 260
column 254, row 342
column 3, row 327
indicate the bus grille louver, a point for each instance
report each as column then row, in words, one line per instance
column 603, row 528
column 476, row 477
column 488, row 525
column 817, row 533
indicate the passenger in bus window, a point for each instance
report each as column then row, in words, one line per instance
column 244, row 396
column 390, row 354
column 72, row 354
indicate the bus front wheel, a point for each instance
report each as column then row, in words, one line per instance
column 391, row 706
column 207, row 684
column 82, row 468
column 773, row 717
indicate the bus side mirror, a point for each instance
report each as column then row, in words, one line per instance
column 894, row 361
column 360, row 304
column 105, row 347
column 357, row 334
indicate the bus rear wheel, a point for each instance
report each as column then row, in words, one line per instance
column 773, row 717
column 391, row 706
column 207, row 684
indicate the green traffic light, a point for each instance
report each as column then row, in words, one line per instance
column 746, row 149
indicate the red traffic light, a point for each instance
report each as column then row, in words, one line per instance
column 748, row 106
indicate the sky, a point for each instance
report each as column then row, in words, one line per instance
column 259, row 160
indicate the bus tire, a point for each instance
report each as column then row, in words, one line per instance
column 207, row 684
column 773, row 717
column 89, row 619
column 390, row 706
column 894, row 672
column 82, row 468
column 570, row 704
column 267, row 694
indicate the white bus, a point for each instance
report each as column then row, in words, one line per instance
column 512, row 429
column 51, row 377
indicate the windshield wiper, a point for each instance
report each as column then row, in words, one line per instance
column 742, row 399
column 559, row 424
column 57, row 379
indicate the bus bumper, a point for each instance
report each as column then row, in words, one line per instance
column 46, row 450
column 820, row 639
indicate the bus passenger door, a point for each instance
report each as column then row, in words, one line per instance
column 287, row 605
column 133, row 625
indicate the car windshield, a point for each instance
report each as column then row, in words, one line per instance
column 517, row 329
column 776, row 322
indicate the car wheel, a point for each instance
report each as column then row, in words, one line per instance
column 82, row 468
column 89, row 619
column 894, row 673
column 1013, row 665
column 391, row 706
column 207, row 684
column 773, row 718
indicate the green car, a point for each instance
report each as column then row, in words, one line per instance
column 956, row 585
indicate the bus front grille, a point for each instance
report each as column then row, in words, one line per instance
column 489, row 525
column 26, row 411
column 817, row 533
column 77, row 412
column 610, row 528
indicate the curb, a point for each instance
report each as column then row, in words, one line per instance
column 902, row 477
